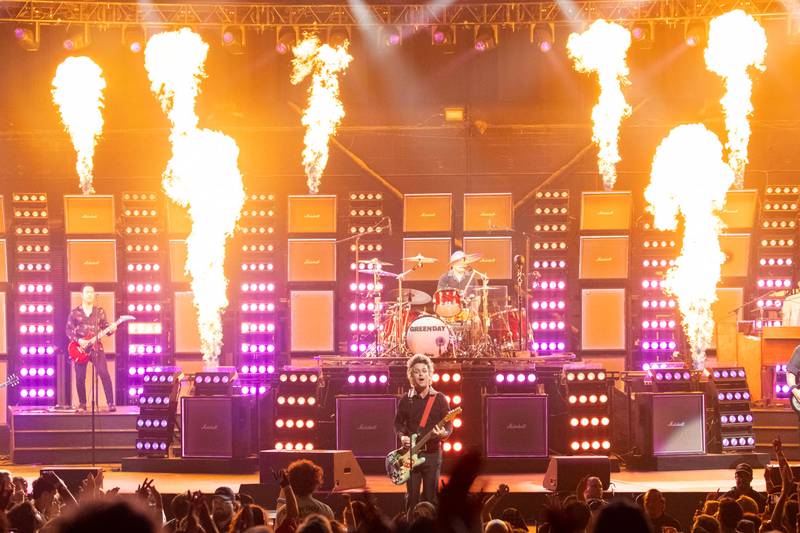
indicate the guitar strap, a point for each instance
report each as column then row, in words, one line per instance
column 426, row 413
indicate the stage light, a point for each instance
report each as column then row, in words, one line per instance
column 443, row 36
column 454, row 114
column 286, row 38
column 485, row 37
column 695, row 33
column 133, row 38
column 338, row 36
column 27, row 37
column 542, row 35
column 233, row 39
column 77, row 40
column 390, row 36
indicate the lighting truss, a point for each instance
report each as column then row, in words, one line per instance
column 263, row 16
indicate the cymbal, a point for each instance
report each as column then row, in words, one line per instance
column 383, row 273
column 472, row 258
column 374, row 261
column 413, row 296
column 486, row 288
column 419, row 258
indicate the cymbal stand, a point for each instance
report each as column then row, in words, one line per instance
column 398, row 337
column 485, row 344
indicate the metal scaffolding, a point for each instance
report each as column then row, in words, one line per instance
column 265, row 16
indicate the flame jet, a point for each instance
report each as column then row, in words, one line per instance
column 324, row 112
column 603, row 48
column 689, row 177
column 736, row 42
column 202, row 176
column 78, row 93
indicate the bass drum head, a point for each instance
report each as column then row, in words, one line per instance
column 428, row 335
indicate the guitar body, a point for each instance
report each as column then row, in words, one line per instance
column 400, row 463
column 795, row 404
column 78, row 354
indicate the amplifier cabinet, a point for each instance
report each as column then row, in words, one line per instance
column 515, row 425
column 670, row 423
column 216, row 426
column 365, row 425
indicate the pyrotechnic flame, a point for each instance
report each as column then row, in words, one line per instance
column 78, row 92
column 324, row 111
column 202, row 176
column 690, row 177
column 603, row 49
column 736, row 42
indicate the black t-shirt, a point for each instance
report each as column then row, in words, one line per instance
column 793, row 366
column 663, row 521
column 410, row 411
column 734, row 493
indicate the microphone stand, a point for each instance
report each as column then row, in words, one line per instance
column 523, row 296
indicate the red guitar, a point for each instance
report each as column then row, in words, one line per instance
column 81, row 355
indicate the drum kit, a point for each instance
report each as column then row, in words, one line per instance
column 452, row 323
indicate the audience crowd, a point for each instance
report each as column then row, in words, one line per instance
column 48, row 506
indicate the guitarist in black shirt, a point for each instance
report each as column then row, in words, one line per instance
column 417, row 413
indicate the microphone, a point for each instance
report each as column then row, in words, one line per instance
column 519, row 260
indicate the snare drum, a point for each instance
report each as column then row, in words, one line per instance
column 447, row 303
column 428, row 335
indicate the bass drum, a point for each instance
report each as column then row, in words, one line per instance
column 428, row 335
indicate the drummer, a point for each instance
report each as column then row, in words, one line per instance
column 460, row 278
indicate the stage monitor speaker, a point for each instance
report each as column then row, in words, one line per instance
column 496, row 255
column 435, row 247
column 603, row 320
column 263, row 494
column 427, row 212
column 89, row 215
column 177, row 261
column 341, row 469
column 740, row 209
column 216, row 427
column 565, row 472
column 312, row 214
column 606, row 211
column 603, row 257
column 515, row 425
column 774, row 473
column 312, row 260
column 365, row 425
column 187, row 335
column 91, row 260
column 670, row 423
column 73, row 477
column 488, row 211
column 736, row 247
column 312, row 321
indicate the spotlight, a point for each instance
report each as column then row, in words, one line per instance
column 695, row 34
column 442, row 36
column 338, row 36
column 233, row 39
column 391, row 36
column 27, row 37
column 485, row 37
column 542, row 35
column 642, row 34
column 133, row 38
column 286, row 39
column 77, row 40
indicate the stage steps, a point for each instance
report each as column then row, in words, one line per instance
column 41, row 436
column 777, row 421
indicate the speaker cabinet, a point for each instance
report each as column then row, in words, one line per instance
column 438, row 248
column 104, row 299
column 365, row 425
column 89, row 215
column 427, row 212
column 606, row 211
column 3, row 261
column 496, row 255
column 565, row 472
column 515, row 425
column 603, row 319
column 604, row 257
column 736, row 248
column 91, row 261
column 187, row 335
column 341, row 469
column 3, row 337
column 216, row 426
column 178, row 220
column 312, row 260
column 670, row 423
column 311, row 321
column 740, row 209
column 312, row 214
column 177, row 261
column 488, row 212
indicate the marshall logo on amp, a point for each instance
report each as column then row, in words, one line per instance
column 312, row 215
column 488, row 214
column 91, row 263
column 89, row 216
column 311, row 261
column 425, row 214
column 208, row 427
column 674, row 424
column 515, row 427
column 367, row 427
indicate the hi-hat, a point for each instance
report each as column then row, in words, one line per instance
column 486, row 288
column 412, row 296
column 419, row 258
column 374, row 261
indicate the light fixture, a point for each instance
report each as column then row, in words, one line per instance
column 442, row 36
column 391, row 36
column 77, row 40
column 338, row 36
column 542, row 35
column 454, row 114
column 286, row 39
column 27, row 37
column 485, row 37
column 695, row 34
column 233, row 39
column 133, row 38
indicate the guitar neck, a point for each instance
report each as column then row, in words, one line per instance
column 421, row 442
column 105, row 331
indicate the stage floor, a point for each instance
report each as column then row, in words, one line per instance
column 683, row 481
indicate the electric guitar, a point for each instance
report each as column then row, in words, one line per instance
column 401, row 461
column 81, row 355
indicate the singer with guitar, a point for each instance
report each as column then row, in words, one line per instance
column 87, row 320
column 419, row 412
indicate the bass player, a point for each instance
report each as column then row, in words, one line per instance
column 86, row 320
column 417, row 413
